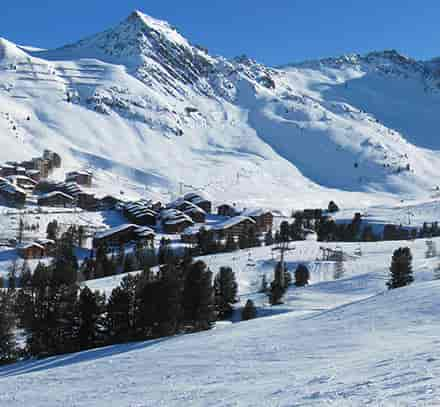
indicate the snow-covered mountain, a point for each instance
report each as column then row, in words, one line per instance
column 147, row 109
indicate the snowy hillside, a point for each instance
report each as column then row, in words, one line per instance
column 149, row 110
column 343, row 342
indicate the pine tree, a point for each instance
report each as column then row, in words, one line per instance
column 159, row 311
column 225, row 291
column 121, row 310
column 249, row 311
column 198, row 298
column 278, row 286
column 52, row 230
column 284, row 231
column 401, row 268
column 118, row 306
column 89, row 313
column 302, row 275
column 12, row 275
column 332, row 207
column 8, row 346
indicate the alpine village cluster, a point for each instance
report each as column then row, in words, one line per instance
column 166, row 288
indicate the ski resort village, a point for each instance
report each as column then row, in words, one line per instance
column 184, row 229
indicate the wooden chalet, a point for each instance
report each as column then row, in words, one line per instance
column 87, row 201
column 80, row 177
column 48, row 244
column 109, row 202
column 198, row 200
column 234, row 227
column 56, row 199
column 227, row 210
column 175, row 221
column 121, row 235
column 140, row 213
column 24, row 182
column 196, row 213
column 6, row 170
column 263, row 219
column 12, row 193
column 34, row 174
column 32, row 250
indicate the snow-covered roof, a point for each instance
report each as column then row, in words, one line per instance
column 255, row 212
column 6, row 186
column 24, row 246
column 198, row 200
column 56, row 193
column 231, row 222
column 15, row 178
column 144, row 231
column 180, row 219
column 117, row 229
column 43, row 241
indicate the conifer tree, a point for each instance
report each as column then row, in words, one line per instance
column 8, row 346
column 302, row 275
column 249, row 311
column 278, row 286
column 89, row 313
column 225, row 291
column 198, row 296
column 401, row 268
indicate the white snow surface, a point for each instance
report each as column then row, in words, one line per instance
column 343, row 342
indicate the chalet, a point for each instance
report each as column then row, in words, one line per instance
column 175, row 221
column 56, row 199
column 80, row 177
column 23, row 182
column 109, row 202
column 34, row 174
column 12, row 193
column 235, row 227
column 122, row 235
column 197, row 214
column 140, row 212
column 177, row 225
column 87, row 201
column 191, row 234
column 156, row 206
column 7, row 170
column 145, row 234
column 19, row 170
column 263, row 219
column 70, row 188
column 227, row 211
column 48, row 244
column 31, row 250
column 198, row 200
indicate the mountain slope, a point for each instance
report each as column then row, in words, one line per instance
column 140, row 101
column 378, row 351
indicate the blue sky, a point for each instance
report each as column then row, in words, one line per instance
column 273, row 32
